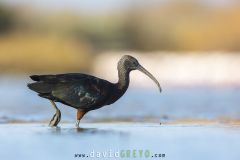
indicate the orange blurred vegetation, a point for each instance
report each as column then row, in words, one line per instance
column 42, row 54
column 32, row 41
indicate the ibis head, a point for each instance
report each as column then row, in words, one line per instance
column 129, row 63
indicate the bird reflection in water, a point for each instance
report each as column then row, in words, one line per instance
column 86, row 131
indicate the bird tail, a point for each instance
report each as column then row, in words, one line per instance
column 41, row 87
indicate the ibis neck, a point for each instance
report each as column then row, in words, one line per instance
column 123, row 81
column 121, row 86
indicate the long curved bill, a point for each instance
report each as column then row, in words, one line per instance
column 143, row 70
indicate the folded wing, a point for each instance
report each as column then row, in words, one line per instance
column 77, row 90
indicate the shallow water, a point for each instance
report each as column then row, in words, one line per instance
column 183, row 142
column 19, row 103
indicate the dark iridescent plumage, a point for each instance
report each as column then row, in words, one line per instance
column 85, row 92
column 77, row 90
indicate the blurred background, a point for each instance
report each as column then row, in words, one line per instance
column 192, row 47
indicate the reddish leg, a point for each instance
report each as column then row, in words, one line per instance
column 80, row 114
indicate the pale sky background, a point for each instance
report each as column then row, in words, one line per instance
column 96, row 6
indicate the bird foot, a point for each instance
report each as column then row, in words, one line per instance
column 55, row 119
column 77, row 124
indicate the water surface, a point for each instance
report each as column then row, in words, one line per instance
column 19, row 103
column 183, row 142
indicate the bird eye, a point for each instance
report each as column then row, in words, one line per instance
column 135, row 63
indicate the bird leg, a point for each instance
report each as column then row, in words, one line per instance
column 80, row 114
column 56, row 117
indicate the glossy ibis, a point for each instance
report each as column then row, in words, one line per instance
column 85, row 92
